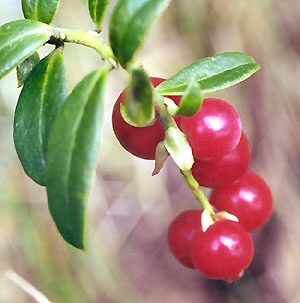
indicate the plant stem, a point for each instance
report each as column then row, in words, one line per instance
column 167, row 121
column 197, row 191
column 89, row 39
column 164, row 116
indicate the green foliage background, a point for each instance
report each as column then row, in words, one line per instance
column 127, row 258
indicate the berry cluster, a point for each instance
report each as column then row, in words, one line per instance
column 222, row 156
column 223, row 251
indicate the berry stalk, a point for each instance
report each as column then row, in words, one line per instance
column 167, row 121
column 165, row 118
column 197, row 191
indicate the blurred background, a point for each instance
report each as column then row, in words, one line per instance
column 127, row 259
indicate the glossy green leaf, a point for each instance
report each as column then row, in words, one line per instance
column 72, row 154
column 130, row 22
column 212, row 73
column 179, row 148
column 139, row 103
column 19, row 40
column 40, row 10
column 97, row 9
column 41, row 98
column 24, row 69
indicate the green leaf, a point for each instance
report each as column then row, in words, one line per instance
column 189, row 104
column 24, row 69
column 130, row 22
column 41, row 98
column 19, row 40
column 97, row 9
column 139, row 103
column 72, row 154
column 179, row 148
column 212, row 73
column 40, row 10
column 191, row 101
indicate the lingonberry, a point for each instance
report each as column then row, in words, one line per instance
column 223, row 251
column 214, row 130
column 225, row 170
column 139, row 141
column 249, row 199
column 180, row 234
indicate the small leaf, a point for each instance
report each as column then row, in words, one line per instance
column 41, row 98
column 19, row 40
column 139, row 102
column 161, row 156
column 130, row 22
column 191, row 101
column 24, row 69
column 97, row 9
column 225, row 215
column 72, row 154
column 40, row 10
column 127, row 119
column 178, row 148
column 189, row 104
column 206, row 220
column 212, row 73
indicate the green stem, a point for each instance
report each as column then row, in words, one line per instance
column 89, row 39
column 163, row 114
column 197, row 191
column 167, row 121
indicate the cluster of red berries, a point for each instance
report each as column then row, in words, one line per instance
column 222, row 157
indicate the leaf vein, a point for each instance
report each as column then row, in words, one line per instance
column 70, row 161
column 42, row 105
column 36, row 10
column 218, row 74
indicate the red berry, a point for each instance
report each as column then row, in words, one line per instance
column 214, row 130
column 225, row 170
column 223, row 251
column 180, row 234
column 139, row 141
column 249, row 199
